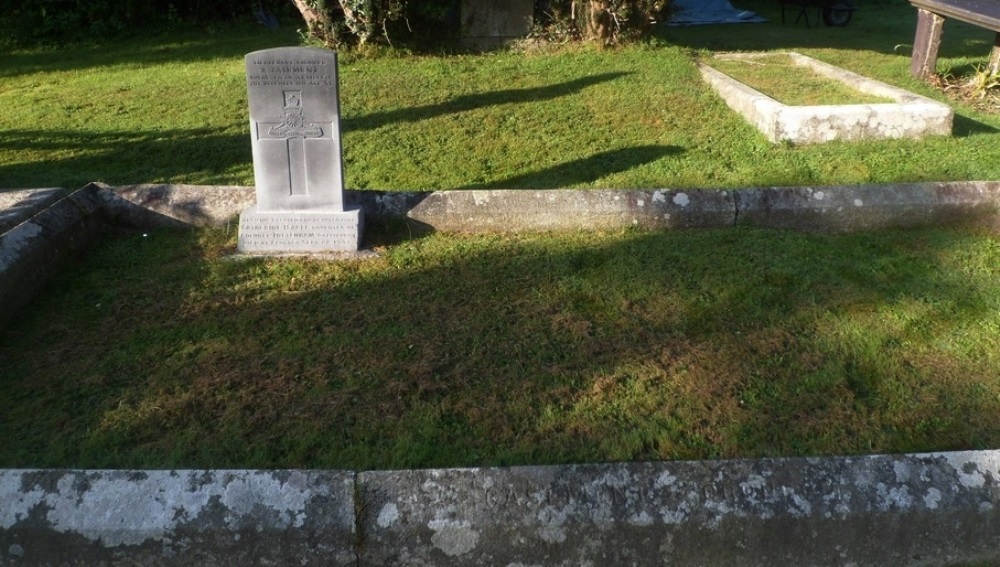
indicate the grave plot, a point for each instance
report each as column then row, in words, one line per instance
column 809, row 101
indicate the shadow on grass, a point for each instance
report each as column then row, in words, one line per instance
column 963, row 126
column 72, row 159
column 472, row 102
column 585, row 170
column 456, row 351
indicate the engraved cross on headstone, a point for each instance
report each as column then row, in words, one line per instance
column 294, row 131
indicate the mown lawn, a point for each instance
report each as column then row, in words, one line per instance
column 173, row 109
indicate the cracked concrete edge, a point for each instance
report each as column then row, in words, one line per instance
column 919, row 509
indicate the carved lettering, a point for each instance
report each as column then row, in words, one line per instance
column 291, row 73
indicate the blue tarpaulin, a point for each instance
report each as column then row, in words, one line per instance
column 696, row 12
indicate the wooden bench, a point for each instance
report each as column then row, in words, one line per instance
column 931, row 15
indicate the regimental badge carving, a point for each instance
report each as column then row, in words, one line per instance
column 294, row 124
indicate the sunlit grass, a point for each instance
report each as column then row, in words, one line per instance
column 173, row 109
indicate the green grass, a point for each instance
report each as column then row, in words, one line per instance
column 779, row 77
column 173, row 109
column 475, row 350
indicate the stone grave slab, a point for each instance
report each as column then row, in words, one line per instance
column 297, row 155
column 908, row 116
column 490, row 23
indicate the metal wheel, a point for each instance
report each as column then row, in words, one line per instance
column 838, row 14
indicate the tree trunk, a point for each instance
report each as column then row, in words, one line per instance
column 317, row 21
column 599, row 20
column 360, row 24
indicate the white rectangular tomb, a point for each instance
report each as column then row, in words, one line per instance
column 908, row 115
column 297, row 155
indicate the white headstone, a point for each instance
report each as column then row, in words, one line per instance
column 298, row 164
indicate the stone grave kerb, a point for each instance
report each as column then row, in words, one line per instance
column 293, row 96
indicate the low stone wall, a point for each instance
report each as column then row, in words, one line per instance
column 177, row 518
column 41, row 239
column 164, row 206
column 17, row 206
column 870, row 207
column 928, row 509
column 832, row 208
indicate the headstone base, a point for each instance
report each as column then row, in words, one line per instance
column 300, row 231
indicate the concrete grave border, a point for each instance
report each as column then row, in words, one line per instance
column 929, row 509
column 909, row 116
column 921, row 509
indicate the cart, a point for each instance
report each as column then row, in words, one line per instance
column 836, row 13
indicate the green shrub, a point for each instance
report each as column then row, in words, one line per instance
column 336, row 23
column 340, row 23
column 358, row 22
